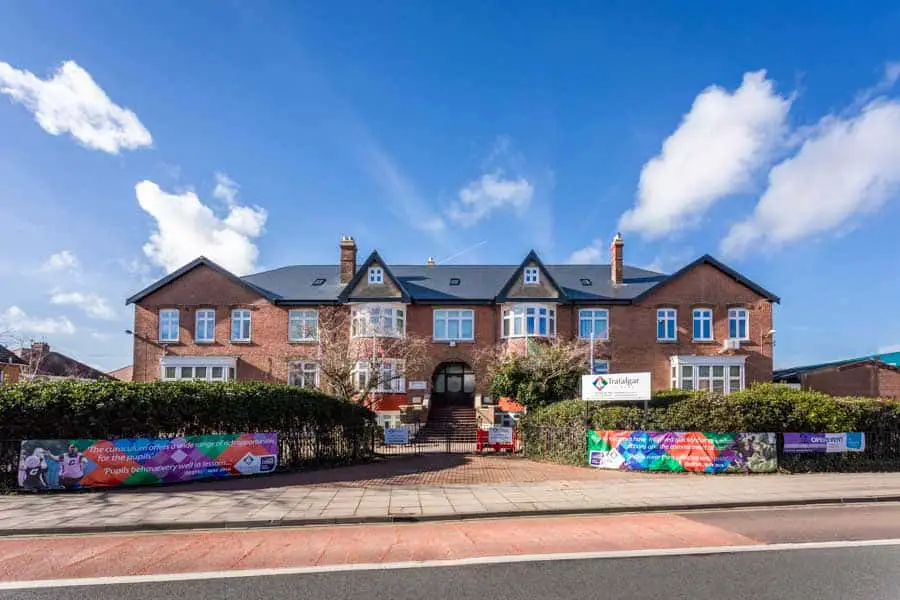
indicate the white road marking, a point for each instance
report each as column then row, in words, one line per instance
column 459, row 562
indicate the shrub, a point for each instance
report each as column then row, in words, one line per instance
column 759, row 408
column 547, row 374
column 109, row 409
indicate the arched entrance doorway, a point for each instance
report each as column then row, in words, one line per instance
column 453, row 384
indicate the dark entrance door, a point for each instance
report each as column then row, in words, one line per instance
column 453, row 385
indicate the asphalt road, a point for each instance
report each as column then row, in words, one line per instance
column 868, row 573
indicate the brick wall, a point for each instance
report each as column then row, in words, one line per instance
column 632, row 345
column 857, row 381
column 888, row 383
column 10, row 373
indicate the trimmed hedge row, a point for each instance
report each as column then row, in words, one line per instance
column 104, row 409
column 556, row 432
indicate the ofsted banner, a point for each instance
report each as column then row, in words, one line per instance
column 74, row 464
column 808, row 443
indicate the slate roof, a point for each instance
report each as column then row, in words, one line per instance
column 9, row 357
column 56, row 364
column 433, row 283
column 889, row 359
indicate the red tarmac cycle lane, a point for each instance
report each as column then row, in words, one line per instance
column 64, row 557
column 23, row 559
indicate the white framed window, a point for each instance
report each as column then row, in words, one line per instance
column 376, row 275
column 601, row 367
column 303, row 373
column 666, row 324
column 593, row 321
column 531, row 275
column 738, row 324
column 388, row 373
column 240, row 325
column 529, row 320
column 703, row 322
column 303, row 325
column 197, row 368
column 454, row 324
column 168, row 325
column 205, row 326
column 721, row 374
column 378, row 320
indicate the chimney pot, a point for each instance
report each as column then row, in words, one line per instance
column 430, row 262
column 348, row 258
column 616, row 263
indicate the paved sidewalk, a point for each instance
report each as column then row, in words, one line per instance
column 181, row 508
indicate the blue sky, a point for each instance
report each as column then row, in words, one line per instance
column 134, row 136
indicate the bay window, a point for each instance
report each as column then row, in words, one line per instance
column 593, row 323
column 454, row 325
column 384, row 376
column 378, row 320
column 720, row 374
column 197, row 368
column 529, row 320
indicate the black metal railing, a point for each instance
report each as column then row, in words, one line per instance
column 300, row 449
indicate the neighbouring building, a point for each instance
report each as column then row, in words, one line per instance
column 42, row 363
column 705, row 326
column 10, row 366
column 875, row 376
column 122, row 373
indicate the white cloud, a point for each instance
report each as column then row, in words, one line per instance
column 16, row 320
column 715, row 151
column 889, row 349
column 92, row 304
column 847, row 167
column 61, row 261
column 490, row 193
column 589, row 254
column 186, row 228
column 71, row 102
column 226, row 189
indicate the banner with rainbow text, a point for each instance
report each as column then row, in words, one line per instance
column 75, row 464
column 697, row 451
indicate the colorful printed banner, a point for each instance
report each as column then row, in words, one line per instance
column 74, row 464
column 805, row 443
column 703, row 452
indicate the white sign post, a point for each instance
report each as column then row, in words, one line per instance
column 615, row 387
column 620, row 387
column 500, row 435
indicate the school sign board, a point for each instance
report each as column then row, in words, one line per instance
column 616, row 387
column 396, row 435
column 810, row 443
column 75, row 464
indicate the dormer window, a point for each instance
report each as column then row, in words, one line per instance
column 531, row 275
column 376, row 275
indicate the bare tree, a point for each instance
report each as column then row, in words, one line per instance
column 360, row 357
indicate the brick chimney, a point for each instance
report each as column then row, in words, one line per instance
column 615, row 259
column 40, row 349
column 348, row 258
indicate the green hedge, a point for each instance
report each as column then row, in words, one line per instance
column 103, row 409
column 556, row 432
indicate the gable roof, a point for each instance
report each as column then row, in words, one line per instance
column 56, row 364
column 709, row 260
column 9, row 357
column 363, row 271
column 453, row 284
column 532, row 257
column 202, row 260
column 887, row 359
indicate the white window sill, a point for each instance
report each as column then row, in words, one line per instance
column 596, row 339
column 530, row 335
column 666, row 340
column 304, row 341
column 703, row 341
column 448, row 340
column 241, row 341
column 205, row 342
column 167, row 341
